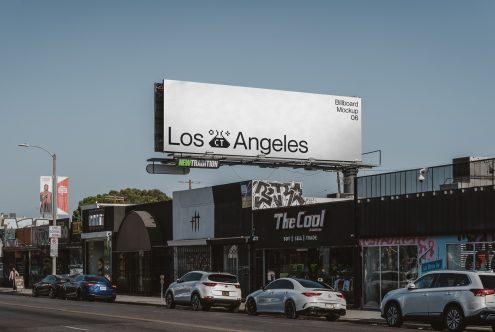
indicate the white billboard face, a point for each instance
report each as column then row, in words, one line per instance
column 237, row 121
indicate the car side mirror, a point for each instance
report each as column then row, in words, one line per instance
column 411, row 286
column 263, row 287
column 179, row 281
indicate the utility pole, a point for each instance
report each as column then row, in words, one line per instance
column 190, row 182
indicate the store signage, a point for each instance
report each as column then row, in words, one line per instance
column 193, row 214
column 233, row 121
column 431, row 266
column 198, row 163
column 55, row 231
column 19, row 283
column 311, row 222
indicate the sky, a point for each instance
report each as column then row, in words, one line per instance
column 76, row 77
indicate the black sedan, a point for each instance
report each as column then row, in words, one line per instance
column 49, row 285
column 89, row 287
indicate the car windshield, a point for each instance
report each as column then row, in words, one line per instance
column 223, row 278
column 488, row 281
column 312, row 284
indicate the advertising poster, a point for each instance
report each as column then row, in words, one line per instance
column 46, row 195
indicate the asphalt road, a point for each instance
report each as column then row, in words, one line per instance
column 20, row 313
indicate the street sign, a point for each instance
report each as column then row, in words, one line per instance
column 55, row 231
column 54, row 247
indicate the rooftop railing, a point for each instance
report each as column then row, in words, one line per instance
column 462, row 173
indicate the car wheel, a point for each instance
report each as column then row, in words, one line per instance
column 454, row 319
column 332, row 317
column 393, row 315
column 196, row 302
column 290, row 310
column 493, row 328
column 437, row 326
column 51, row 293
column 35, row 292
column 251, row 307
column 169, row 301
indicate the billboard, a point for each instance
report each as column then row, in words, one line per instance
column 46, row 195
column 221, row 120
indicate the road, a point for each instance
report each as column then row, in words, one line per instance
column 20, row 313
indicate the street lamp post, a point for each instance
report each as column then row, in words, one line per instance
column 54, row 193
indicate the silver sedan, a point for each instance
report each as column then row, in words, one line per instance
column 293, row 297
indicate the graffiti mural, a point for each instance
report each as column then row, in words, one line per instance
column 272, row 194
column 426, row 245
column 40, row 236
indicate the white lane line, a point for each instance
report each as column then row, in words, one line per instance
column 75, row 328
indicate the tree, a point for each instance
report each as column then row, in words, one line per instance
column 123, row 196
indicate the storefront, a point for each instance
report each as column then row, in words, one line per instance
column 140, row 254
column 392, row 262
column 211, row 232
column 98, row 253
column 314, row 242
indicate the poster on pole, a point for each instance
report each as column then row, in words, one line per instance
column 46, row 196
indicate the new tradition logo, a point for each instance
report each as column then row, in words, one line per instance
column 195, row 222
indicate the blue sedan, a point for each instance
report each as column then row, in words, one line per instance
column 89, row 287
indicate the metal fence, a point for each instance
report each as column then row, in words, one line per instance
column 462, row 173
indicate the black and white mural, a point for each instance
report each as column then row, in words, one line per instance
column 274, row 194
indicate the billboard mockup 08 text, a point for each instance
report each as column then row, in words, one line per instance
column 236, row 121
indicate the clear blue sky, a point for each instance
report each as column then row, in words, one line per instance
column 77, row 77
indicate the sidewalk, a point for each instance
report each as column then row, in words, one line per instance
column 364, row 316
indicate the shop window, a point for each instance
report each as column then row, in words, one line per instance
column 231, row 259
column 371, row 287
column 386, row 268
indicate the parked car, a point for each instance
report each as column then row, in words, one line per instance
column 91, row 287
column 49, row 285
column 203, row 290
column 293, row 297
column 445, row 299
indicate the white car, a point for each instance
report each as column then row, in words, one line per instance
column 293, row 296
column 445, row 299
column 203, row 290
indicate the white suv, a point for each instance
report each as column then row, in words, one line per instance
column 446, row 299
column 203, row 290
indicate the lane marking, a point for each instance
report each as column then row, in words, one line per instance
column 149, row 320
column 74, row 328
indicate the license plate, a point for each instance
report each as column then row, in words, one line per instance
column 103, row 287
column 329, row 305
column 225, row 293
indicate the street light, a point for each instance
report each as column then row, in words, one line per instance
column 54, row 192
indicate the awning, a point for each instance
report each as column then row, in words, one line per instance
column 133, row 232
